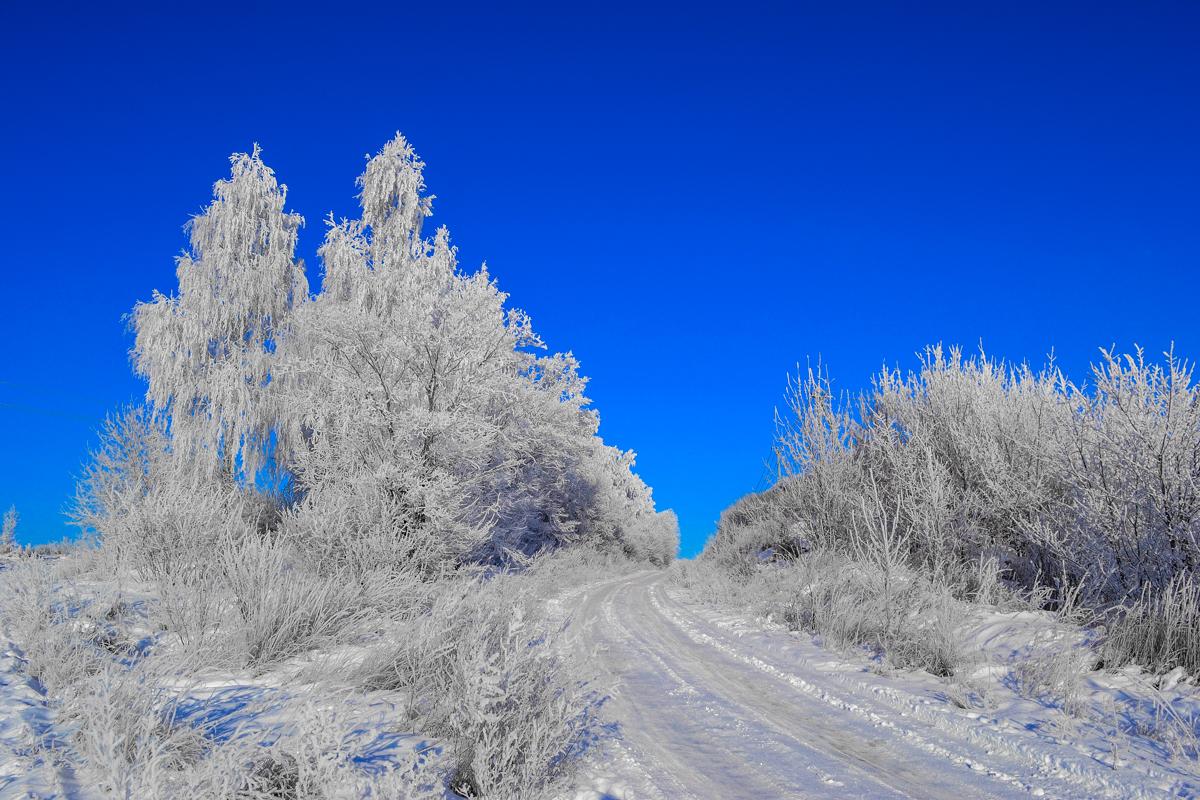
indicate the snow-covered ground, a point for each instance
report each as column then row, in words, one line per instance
column 705, row 703
column 715, row 705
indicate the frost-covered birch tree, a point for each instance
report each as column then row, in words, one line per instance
column 419, row 391
column 209, row 351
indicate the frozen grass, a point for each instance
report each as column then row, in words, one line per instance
column 65, row 631
column 319, row 752
column 852, row 606
column 1160, row 631
column 470, row 663
column 283, row 609
column 1054, row 669
column 128, row 733
column 141, row 732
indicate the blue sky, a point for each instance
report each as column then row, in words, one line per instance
column 691, row 198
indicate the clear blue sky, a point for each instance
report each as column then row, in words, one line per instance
column 691, row 198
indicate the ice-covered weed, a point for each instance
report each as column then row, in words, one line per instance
column 1160, row 631
column 128, row 732
column 1053, row 669
column 486, row 674
column 318, row 749
column 850, row 604
column 65, row 631
column 282, row 608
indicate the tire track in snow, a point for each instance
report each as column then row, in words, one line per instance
column 702, row 725
column 966, row 741
column 706, row 715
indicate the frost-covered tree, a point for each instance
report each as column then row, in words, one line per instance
column 8, row 530
column 417, row 389
column 208, row 352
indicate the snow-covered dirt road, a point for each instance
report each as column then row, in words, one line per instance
column 705, row 706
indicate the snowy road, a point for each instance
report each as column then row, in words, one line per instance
column 705, row 709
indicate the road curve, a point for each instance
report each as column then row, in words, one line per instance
column 697, row 714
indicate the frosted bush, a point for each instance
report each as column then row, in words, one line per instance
column 989, row 479
column 980, row 459
column 1131, row 468
column 484, row 672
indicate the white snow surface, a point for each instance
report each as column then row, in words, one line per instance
column 712, row 704
column 705, row 703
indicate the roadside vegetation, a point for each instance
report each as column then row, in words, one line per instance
column 315, row 562
column 899, row 516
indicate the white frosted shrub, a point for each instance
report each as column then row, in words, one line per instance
column 970, row 447
column 485, row 672
column 1131, row 467
column 363, row 526
column 132, row 459
column 987, row 470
